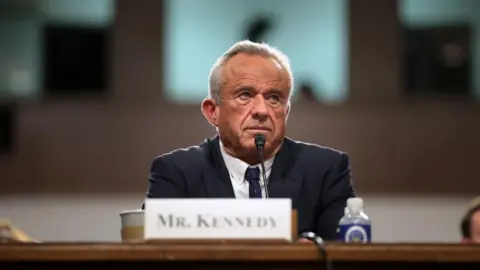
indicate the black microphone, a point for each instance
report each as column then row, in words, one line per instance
column 260, row 144
column 318, row 241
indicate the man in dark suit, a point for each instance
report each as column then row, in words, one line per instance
column 250, row 90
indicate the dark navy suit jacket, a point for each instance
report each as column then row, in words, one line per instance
column 317, row 179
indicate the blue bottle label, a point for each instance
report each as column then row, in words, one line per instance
column 355, row 233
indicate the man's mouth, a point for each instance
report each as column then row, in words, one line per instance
column 259, row 128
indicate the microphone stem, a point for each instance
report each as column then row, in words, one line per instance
column 264, row 174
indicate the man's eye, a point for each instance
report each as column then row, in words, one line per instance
column 245, row 95
column 274, row 97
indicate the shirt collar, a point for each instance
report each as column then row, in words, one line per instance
column 237, row 167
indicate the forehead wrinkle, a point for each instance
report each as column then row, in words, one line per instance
column 251, row 72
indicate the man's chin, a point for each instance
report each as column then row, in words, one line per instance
column 249, row 146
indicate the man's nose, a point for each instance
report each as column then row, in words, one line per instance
column 260, row 109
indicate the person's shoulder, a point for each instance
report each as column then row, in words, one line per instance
column 186, row 155
column 315, row 151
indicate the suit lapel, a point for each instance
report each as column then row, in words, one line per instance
column 284, row 182
column 215, row 177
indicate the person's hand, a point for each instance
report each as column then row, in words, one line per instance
column 304, row 241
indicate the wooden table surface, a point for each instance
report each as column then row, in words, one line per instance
column 382, row 255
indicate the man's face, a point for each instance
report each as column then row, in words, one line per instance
column 253, row 100
column 475, row 228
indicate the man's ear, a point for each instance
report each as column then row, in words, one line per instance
column 288, row 111
column 209, row 110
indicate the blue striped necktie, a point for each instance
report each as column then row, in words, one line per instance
column 253, row 177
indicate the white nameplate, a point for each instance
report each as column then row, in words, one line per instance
column 218, row 219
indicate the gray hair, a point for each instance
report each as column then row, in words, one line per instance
column 248, row 47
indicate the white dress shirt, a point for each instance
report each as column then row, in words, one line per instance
column 237, row 168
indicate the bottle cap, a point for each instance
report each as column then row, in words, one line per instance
column 355, row 205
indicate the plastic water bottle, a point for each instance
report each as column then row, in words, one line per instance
column 355, row 226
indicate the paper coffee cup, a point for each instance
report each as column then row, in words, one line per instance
column 132, row 222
